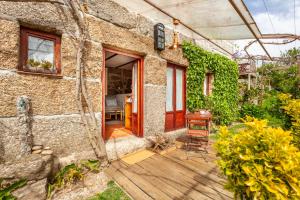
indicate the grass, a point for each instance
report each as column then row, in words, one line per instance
column 236, row 128
column 113, row 192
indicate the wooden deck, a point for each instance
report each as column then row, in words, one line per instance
column 171, row 176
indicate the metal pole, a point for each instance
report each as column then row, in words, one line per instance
column 249, row 81
column 249, row 27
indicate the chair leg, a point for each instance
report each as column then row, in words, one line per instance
column 186, row 148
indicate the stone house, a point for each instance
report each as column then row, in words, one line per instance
column 38, row 57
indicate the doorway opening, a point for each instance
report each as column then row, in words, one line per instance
column 122, row 98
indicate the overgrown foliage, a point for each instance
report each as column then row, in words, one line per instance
column 292, row 109
column 252, row 110
column 113, row 192
column 71, row 174
column 224, row 99
column 260, row 162
column 6, row 191
column 290, row 56
column 269, row 108
column 281, row 79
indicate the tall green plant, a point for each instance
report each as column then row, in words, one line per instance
column 224, row 99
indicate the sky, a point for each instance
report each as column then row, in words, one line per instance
column 281, row 15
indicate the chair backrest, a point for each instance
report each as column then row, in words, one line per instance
column 121, row 99
column 197, row 120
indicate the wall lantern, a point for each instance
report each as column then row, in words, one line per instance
column 159, row 36
column 175, row 43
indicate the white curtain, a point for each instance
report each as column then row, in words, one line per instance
column 205, row 86
column 169, row 90
column 179, row 89
column 135, row 87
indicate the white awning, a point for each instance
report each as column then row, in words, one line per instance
column 213, row 19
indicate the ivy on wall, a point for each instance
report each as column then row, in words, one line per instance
column 224, row 99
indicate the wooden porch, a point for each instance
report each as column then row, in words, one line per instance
column 171, row 176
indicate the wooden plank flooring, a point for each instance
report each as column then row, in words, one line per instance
column 171, row 176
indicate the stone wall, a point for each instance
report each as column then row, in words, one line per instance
column 56, row 122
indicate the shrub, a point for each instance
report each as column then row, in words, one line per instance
column 286, row 81
column 272, row 105
column 251, row 95
column 260, row 162
column 292, row 108
column 251, row 110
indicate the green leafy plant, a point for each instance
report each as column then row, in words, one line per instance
column 33, row 63
column 260, row 162
column 5, row 192
column 252, row 110
column 113, row 192
column 251, row 95
column 91, row 165
column 72, row 174
column 224, row 98
column 281, row 79
column 272, row 106
column 46, row 64
column 67, row 175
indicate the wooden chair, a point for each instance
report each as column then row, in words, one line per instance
column 198, row 125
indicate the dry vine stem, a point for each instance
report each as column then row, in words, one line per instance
column 89, row 120
column 90, row 123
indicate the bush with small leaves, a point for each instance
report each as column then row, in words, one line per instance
column 260, row 162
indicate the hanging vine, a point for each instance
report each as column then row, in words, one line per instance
column 88, row 118
column 224, row 99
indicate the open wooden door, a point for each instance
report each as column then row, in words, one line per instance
column 136, row 122
column 175, row 98
column 137, row 96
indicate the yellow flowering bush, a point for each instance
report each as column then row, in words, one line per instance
column 260, row 162
column 292, row 109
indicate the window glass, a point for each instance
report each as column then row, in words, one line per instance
column 41, row 50
column 169, row 90
column 179, row 90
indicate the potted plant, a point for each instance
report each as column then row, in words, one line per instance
column 32, row 64
column 47, row 66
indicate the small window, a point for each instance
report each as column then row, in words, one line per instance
column 208, row 84
column 40, row 52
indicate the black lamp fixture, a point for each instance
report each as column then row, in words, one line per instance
column 159, row 37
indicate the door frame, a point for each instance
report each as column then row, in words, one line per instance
column 140, row 114
column 174, row 112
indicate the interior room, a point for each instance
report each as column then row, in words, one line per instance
column 119, row 86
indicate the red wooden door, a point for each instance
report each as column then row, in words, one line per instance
column 175, row 98
column 137, row 94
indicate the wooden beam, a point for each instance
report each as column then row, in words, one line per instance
column 124, row 64
column 110, row 57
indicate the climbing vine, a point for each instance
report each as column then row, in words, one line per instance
column 224, row 99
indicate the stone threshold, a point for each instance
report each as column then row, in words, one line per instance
column 118, row 147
